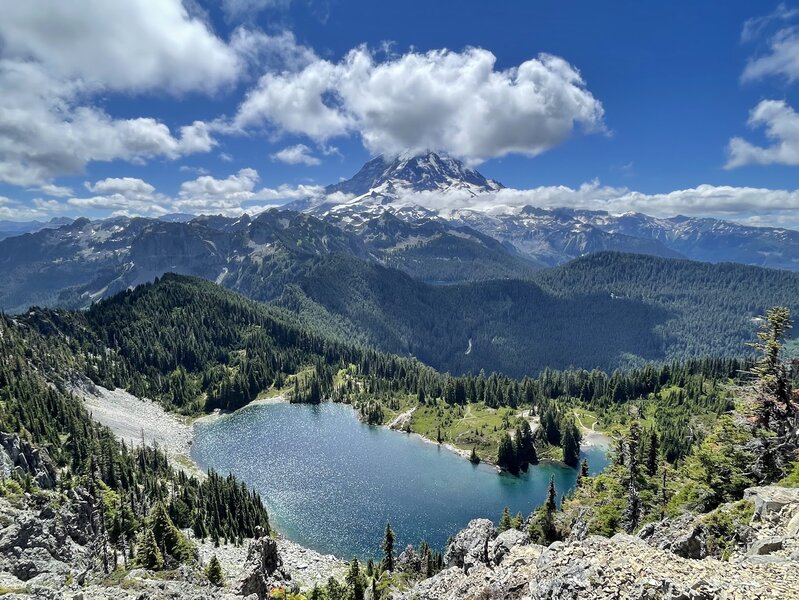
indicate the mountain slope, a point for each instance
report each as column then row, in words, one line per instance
column 419, row 173
column 605, row 311
column 79, row 263
column 414, row 188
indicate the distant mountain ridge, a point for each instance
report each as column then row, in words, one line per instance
column 380, row 286
column 12, row 228
column 550, row 236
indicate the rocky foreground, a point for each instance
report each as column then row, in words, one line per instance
column 667, row 560
column 51, row 550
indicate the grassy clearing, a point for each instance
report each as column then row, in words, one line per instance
column 465, row 427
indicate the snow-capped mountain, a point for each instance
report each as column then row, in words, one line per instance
column 547, row 235
column 418, row 173
column 383, row 182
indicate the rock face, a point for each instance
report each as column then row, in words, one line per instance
column 684, row 536
column 18, row 456
column 470, row 546
column 771, row 500
column 263, row 569
column 669, row 560
column 599, row 568
column 409, row 561
column 43, row 546
column 505, row 542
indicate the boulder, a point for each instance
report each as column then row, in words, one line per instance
column 409, row 561
column 505, row 542
column 684, row 536
column 766, row 545
column 770, row 500
column 792, row 528
column 469, row 547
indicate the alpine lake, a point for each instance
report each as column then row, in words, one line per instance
column 331, row 483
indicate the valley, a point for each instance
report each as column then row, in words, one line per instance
column 319, row 300
column 354, row 369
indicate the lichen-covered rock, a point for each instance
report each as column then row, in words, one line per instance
column 770, row 500
column 409, row 561
column 599, row 568
column 17, row 455
column 766, row 546
column 469, row 547
column 44, row 544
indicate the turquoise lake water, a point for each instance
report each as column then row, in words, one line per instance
column 331, row 483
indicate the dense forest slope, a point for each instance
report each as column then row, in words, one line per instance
column 688, row 446
column 372, row 284
column 622, row 309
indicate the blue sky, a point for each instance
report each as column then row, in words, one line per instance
column 635, row 100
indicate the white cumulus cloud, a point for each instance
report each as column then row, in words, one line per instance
column 781, row 123
column 131, row 196
column 57, row 57
column 299, row 154
column 444, row 100
column 122, row 45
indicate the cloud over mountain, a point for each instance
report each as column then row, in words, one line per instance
column 458, row 102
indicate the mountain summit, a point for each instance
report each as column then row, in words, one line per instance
column 418, row 173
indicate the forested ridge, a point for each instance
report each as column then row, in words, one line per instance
column 378, row 289
column 138, row 498
column 194, row 346
column 625, row 310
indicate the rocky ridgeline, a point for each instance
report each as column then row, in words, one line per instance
column 668, row 560
column 49, row 549
column 18, row 457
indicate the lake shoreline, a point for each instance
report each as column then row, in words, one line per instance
column 590, row 439
column 331, row 482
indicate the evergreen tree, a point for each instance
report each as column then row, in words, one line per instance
column 551, row 503
column 214, row 572
column 149, row 556
column 335, row 591
column 506, row 455
column 525, row 449
column 167, row 536
column 570, row 441
column 652, row 454
column 355, row 581
column 473, row 457
column 505, row 521
column 388, row 549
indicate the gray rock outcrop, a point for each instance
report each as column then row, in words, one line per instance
column 684, row 536
column 771, row 500
column 18, row 456
column 262, row 570
column 469, row 547
column 505, row 542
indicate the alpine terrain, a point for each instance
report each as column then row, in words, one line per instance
column 378, row 301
